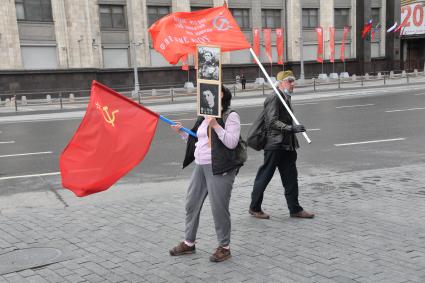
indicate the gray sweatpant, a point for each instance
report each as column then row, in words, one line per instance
column 219, row 189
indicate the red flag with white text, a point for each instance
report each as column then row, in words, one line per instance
column 280, row 46
column 178, row 33
column 267, row 37
column 319, row 31
column 332, row 44
column 256, row 42
column 113, row 137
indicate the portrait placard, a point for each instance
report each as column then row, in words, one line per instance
column 209, row 102
column 209, row 62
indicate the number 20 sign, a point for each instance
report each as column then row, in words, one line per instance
column 412, row 19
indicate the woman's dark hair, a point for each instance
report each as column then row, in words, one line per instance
column 227, row 97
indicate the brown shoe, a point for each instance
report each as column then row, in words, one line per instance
column 220, row 254
column 182, row 249
column 303, row 214
column 260, row 214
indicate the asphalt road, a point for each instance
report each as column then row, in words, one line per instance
column 349, row 134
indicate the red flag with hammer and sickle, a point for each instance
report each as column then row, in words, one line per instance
column 177, row 34
column 113, row 137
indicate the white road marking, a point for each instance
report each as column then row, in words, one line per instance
column 351, row 106
column 4, row 142
column 401, row 110
column 25, row 154
column 29, row 176
column 309, row 130
column 366, row 142
column 247, row 124
column 313, row 103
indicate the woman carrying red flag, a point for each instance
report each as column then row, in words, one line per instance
column 215, row 170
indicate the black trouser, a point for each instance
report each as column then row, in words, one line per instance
column 285, row 161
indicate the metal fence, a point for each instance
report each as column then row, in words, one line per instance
column 67, row 99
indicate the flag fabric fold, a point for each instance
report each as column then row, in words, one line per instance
column 267, row 37
column 319, row 31
column 178, row 33
column 332, row 44
column 280, row 46
column 256, row 42
column 113, row 137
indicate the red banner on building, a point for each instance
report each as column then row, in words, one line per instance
column 177, row 34
column 319, row 31
column 267, row 37
column 279, row 46
column 344, row 38
column 256, row 42
column 332, row 44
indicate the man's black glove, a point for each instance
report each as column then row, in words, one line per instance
column 298, row 128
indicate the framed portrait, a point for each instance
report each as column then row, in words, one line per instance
column 209, row 62
column 209, row 102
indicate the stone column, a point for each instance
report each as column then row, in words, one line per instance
column 363, row 12
column 61, row 33
column 293, row 30
column 326, row 20
column 139, row 17
column 76, row 25
column 383, row 32
column 10, row 50
column 392, row 47
column 180, row 6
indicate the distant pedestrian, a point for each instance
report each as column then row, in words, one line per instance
column 279, row 151
column 243, row 81
column 213, row 175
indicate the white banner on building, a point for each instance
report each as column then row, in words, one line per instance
column 413, row 19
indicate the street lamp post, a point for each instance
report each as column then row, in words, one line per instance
column 302, row 77
column 133, row 50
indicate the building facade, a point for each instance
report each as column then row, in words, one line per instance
column 75, row 35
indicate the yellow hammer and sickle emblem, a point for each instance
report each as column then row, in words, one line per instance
column 108, row 118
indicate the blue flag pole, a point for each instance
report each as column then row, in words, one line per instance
column 169, row 122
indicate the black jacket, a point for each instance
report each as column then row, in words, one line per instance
column 279, row 124
column 223, row 159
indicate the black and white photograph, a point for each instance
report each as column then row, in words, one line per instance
column 208, row 102
column 209, row 63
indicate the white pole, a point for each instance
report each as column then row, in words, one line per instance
column 278, row 94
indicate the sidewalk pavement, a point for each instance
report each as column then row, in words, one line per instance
column 369, row 227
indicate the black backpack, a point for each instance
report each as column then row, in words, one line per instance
column 241, row 148
column 257, row 135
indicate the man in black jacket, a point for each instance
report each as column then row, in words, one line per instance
column 279, row 151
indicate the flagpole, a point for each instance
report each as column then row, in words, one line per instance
column 172, row 123
column 278, row 94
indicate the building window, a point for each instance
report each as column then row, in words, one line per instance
column 376, row 16
column 242, row 17
column 157, row 12
column 341, row 18
column 112, row 17
column 310, row 18
column 34, row 10
column 271, row 18
column 197, row 8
